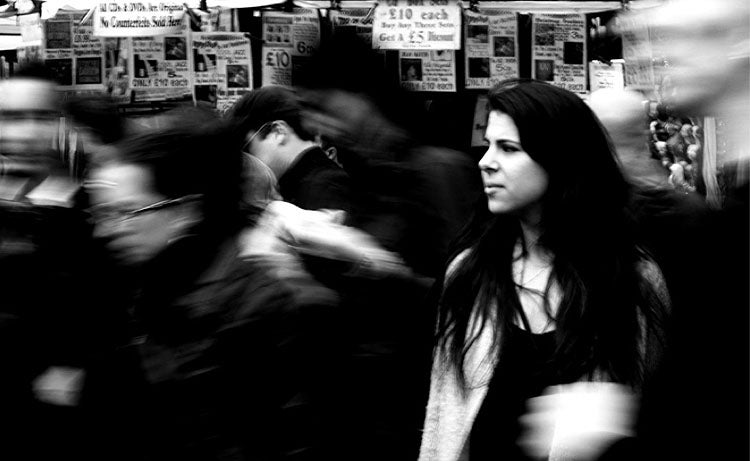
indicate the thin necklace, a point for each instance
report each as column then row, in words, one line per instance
column 523, row 281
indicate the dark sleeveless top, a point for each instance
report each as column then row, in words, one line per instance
column 522, row 372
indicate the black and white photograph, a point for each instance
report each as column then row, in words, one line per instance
column 573, row 52
column 58, row 35
column 478, row 33
column 411, row 70
column 237, row 76
column 203, row 62
column 61, row 69
column 206, row 93
column 88, row 71
column 545, row 69
column 504, row 47
column 145, row 68
column 544, row 34
column 479, row 67
column 175, row 48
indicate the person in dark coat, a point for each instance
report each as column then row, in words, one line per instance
column 270, row 120
column 224, row 342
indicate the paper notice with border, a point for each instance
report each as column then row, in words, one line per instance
column 161, row 68
column 400, row 26
column 559, row 50
column 491, row 47
column 222, row 68
column 72, row 53
column 133, row 18
column 428, row 70
column 289, row 40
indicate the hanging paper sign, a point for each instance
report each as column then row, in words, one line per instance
column 402, row 25
column 491, row 49
column 353, row 22
column 428, row 70
column 222, row 68
column 289, row 39
column 121, row 18
column 161, row 68
column 603, row 75
column 559, row 50
column 72, row 53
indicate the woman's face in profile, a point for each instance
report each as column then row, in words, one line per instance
column 513, row 181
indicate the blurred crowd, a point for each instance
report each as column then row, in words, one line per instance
column 320, row 274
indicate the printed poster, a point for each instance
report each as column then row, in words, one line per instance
column 603, row 75
column 428, row 70
column 559, row 50
column 161, row 68
column 73, row 53
column 491, row 47
column 399, row 25
column 222, row 68
column 289, row 40
column 133, row 18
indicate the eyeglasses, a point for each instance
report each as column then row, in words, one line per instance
column 100, row 215
column 246, row 146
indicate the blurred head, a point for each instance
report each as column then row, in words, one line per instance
column 269, row 119
column 30, row 110
column 706, row 46
column 97, row 122
column 163, row 186
column 549, row 154
column 622, row 114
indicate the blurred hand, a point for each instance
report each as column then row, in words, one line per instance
column 59, row 386
column 577, row 421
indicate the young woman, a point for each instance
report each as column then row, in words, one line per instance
column 547, row 287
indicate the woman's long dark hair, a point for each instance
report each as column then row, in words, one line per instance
column 585, row 226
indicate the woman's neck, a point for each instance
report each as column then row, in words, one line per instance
column 529, row 246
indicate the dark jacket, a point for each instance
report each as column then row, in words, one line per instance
column 314, row 181
column 227, row 351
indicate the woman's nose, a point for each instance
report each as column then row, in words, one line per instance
column 488, row 163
